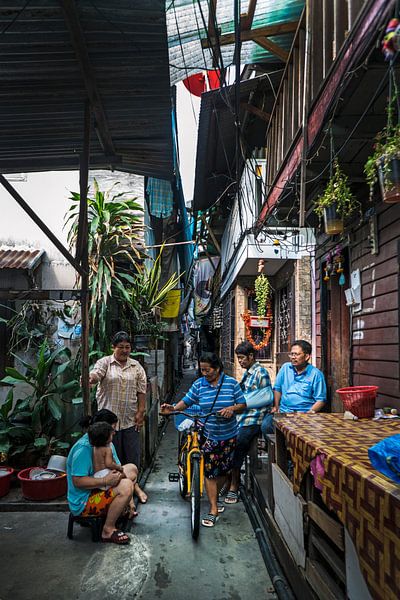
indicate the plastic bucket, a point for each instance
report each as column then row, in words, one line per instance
column 46, row 489
column 5, row 480
column 359, row 400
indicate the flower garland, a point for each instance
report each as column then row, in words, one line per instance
column 246, row 316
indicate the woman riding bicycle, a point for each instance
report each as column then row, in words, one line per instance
column 214, row 392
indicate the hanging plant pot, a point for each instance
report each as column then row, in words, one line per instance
column 332, row 220
column 389, row 180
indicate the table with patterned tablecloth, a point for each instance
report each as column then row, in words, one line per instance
column 365, row 501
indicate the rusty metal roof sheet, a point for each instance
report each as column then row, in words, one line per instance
column 19, row 258
column 56, row 54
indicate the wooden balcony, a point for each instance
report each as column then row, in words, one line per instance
column 317, row 64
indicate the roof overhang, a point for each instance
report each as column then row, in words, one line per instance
column 274, row 246
column 20, row 258
column 56, row 56
column 216, row 143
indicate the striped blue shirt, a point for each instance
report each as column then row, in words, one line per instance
column 203, row 394
column 255, row 378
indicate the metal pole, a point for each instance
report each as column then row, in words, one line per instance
column 237, row 106
column 82, row 253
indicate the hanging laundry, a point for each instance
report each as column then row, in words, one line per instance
column 161, row 197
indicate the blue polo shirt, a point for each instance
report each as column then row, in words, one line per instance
column 203, row 394
column 80, row 464
column 299, row 391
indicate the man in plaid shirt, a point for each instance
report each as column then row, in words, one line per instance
column 256, row 386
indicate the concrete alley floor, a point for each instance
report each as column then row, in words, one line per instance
column 38, row 561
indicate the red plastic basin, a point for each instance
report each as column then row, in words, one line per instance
column 46, row 489
column 5, row 481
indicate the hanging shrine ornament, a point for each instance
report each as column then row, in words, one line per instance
column 246, row 316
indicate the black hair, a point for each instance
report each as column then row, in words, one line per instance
column 213, row 360
column 304, row 345
column 103, row 415
column 99, row 434
column 120, row 337
column 245, row 348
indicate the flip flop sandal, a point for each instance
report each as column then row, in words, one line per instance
column 220, row 507
column 209, row 520
column 224, row 490
column 232, row 498
column 117, row 537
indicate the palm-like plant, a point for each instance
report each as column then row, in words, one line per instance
column 115, row 227
column 143, row 297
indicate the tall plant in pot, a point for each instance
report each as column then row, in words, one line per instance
column 383, row 165
column 337, row 202
column 143, row 297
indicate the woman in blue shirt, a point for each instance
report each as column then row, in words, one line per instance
column 217, row 392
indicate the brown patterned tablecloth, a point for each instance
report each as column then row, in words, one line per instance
column 366, row 502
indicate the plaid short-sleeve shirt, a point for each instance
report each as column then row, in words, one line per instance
column 118, row 387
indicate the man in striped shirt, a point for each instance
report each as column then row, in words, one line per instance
column 256, row 386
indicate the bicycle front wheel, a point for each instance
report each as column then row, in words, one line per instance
column 195, row 497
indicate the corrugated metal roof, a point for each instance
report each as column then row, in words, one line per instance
column 19, row 258
column 188, row 20
column 54, row 54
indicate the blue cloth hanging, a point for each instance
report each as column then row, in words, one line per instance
column 161, row 197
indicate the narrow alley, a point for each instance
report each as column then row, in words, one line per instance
column 162, row 560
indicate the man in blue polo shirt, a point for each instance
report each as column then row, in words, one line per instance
column 299, row 387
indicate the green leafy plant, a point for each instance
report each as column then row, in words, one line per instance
column 263, row 291
column 143, row 297
column 337, row 192
column 115, row 226
column 29, row 326
column 386, row 149
column 31, row 421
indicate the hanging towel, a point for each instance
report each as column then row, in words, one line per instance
column 161, row 197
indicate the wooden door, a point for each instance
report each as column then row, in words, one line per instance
column 335, row 330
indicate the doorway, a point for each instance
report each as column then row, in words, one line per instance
column 335, row 328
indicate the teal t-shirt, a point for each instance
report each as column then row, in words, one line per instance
column 80, row 464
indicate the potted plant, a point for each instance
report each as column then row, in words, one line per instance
column 144, row 297
column 337, row 202
column 263, row 319
column 383, row 164
column 28, row 424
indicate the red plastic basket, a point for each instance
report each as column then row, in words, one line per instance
column 360, row 400
column 42, row 489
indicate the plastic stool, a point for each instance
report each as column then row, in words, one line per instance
column 95, row 524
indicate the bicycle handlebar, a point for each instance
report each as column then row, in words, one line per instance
column 190, row 416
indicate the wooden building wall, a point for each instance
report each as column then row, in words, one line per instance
column 373, row 344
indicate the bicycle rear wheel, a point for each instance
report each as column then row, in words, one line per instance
column 195, row 497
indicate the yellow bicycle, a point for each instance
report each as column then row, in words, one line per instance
column 191, row 467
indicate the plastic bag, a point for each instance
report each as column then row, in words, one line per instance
column 259, row 398
column 385, row 457
column 185, row 424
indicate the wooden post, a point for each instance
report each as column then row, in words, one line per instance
column 306, row 100
column 82, row 252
